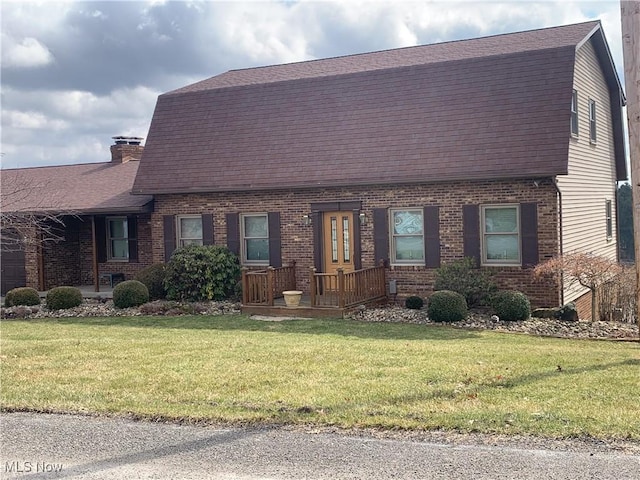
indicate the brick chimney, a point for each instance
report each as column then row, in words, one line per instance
column 126, row 149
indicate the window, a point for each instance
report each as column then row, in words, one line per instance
column 574, row 113
column 592, row 121
column 407, row 239
column 117, row 238
column 255, row 239
column 609, row 215
column 500, row 234
column 189, row 230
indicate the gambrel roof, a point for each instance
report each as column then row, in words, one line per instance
column 492, row 107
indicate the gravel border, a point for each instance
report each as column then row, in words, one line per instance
column 475, row 321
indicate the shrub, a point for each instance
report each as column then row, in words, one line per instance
column 130, row 293
column 59, row 298
column 474, row 284
column 511, row 305
column 22, row 296
column 153, row 277
column 414, row 303
column 447, row 306
column 202, row 273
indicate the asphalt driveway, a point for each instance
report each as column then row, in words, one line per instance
column 71, row 446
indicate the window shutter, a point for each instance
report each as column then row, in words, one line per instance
column 357, row 247
column 471, row 232
column 316, row 224
column 233, row 232
column 207, row 229
column 101, row 238
column 432, row 236
column 169, row 232
column 529, row 232
column 381, row 235
column 275, row 254
column 132, row 238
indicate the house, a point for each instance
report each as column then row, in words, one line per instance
column 506, row 149
column 102, row 232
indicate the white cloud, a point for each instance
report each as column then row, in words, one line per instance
column 27, row 53
column 32, row 120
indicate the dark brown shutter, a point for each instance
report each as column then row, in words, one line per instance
column 101, row 238
column 207, row 229
column 357, row 247
column 529, row 232
column 233, row 232
column 471, row 232
column 432, row 236
column 132, row 238
column 169, row 232
column 275, row 253
column 381, row 235
column 316, row 224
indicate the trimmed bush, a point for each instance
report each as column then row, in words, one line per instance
column 59, row 298
column 461, row 276
column 447, row 306
column 511, row 305
column 153, row 277
column 414, row 303
column 201, row 273
column 22, row 296
column 130, row 293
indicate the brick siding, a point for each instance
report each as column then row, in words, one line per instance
column 297, row 238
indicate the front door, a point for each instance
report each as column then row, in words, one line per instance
column 338, row 241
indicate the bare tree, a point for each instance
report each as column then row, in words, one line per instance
column 26, row 216
column 590, row 271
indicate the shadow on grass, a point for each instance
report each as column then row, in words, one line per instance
column 345, row 328
column 473, row 389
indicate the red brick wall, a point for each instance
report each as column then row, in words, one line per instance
column 71, row 262
column 297, row 239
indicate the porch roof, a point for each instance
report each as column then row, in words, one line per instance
column 91, row 188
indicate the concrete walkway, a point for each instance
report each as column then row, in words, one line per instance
column 68, row 446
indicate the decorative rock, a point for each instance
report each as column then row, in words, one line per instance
column 495, row 318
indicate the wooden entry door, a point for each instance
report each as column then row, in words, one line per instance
column 338, row 241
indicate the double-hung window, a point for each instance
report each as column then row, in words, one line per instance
column 574, row 113
column 117, row 238
column 407, row 239
column 592, row 121
column 189, row 230
column 255, row 239
column 500, row 234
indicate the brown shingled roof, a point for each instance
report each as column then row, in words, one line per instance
column 90, row 188
column 493, row 107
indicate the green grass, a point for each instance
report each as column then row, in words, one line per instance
column 324, row 372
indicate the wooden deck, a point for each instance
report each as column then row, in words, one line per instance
column 331, row 295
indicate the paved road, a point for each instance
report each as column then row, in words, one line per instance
column 69, row 446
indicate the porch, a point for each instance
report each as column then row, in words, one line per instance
column 330, row 295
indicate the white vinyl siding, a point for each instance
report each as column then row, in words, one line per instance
column 591, row 178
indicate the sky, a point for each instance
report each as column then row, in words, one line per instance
column 75, row 74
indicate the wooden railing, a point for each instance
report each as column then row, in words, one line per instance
column 261, row 287
column 342, row 289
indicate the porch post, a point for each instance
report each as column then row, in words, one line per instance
column 245, row 286
column 270, row 285
column 312, row 286
column 94, row 251
column 341, row 290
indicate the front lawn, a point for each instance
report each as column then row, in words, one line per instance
column 325, row 372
